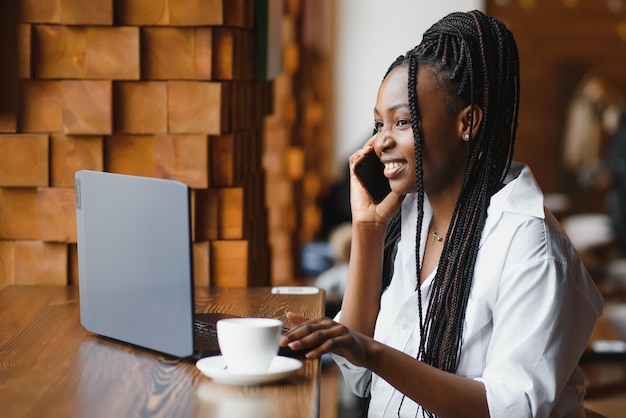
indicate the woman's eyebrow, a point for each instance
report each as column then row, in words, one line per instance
column 394, row 107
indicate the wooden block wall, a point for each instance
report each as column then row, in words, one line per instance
column 281, row 197
column 160, row 88
column 298, row 151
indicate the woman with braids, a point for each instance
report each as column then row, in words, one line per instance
column 484, row 307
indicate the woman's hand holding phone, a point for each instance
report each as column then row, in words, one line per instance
column 370, row 191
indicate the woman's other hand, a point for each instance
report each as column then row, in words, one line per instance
column 323, row 335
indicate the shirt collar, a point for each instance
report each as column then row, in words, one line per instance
column 520, row 195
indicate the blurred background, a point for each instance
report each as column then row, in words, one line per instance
column 256, row 105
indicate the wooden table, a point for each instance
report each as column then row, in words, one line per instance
column 50, row 366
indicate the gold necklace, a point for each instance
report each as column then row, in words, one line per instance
column 436, row 236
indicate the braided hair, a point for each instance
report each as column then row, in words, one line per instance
column 476, row 59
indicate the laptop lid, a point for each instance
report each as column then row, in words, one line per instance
column 135, row 260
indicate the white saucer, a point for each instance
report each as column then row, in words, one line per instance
column 215, row 368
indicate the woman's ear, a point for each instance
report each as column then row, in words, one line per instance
column 466, row 115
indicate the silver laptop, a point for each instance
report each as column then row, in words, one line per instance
column 135, row 263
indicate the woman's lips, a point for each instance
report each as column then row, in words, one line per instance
column 393, row 168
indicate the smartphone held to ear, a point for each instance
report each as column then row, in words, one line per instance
column 370, row 171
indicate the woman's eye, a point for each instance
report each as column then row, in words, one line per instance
column 403, row 123
column 378, row 126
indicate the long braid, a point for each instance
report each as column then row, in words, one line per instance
column 477, row 59
column 419, row 176
column 488, row 84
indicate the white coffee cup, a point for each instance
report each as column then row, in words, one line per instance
column 248, row 345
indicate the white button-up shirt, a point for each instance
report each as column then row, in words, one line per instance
column 530, row 312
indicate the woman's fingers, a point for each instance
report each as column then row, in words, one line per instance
column 321, row 335
column 295, row 318
column 360, row 153
column 304, row 328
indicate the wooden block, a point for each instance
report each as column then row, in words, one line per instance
column 196, row 12
column 205, row 209
column 312, row 184
column 281, row 243
column 24, row 50
column 56, row 208
column 192, row 209
column 223, row 160
column 41, row 108
column 291, row 58
column 176, row 53
column 295, row 163
column 263, row 101
column 290, row 30
column 256, row 188
column 280, row 194
column 24, row 160
column 247, row 55
column 18, row 213
column 37, row 11
column 87, row 12
column 87, row 107
column 292, row 7
column 141, row 107
column 72, row 264
column 173, row 12
column 184, row 158
column 255, row 222
column 281, row 218
column 7, row 263
column 86, row 52
column 69, row 154
column 253, row 144
column 314, row 113
column 238, row 108
column 112, row 53
column 229, row 263
column 39, row 262
column 59, row 51
column 277, row 138
column 197, row 107
column 203, row 54
column 274, row 163
column 252, row 95
column 230, row 213
column 267, row 96
column 312, row 217
column 239, row 13
column 166, row 52
column 8, row 122
column 224, row 53
column 283, row 86
column 130, row 154
column 142, row 12
column 201, row 264
column 242, row 106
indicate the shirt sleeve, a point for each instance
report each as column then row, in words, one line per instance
column 357, row 378
column 542, row 319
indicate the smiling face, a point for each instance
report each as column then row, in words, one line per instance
column 442, row 129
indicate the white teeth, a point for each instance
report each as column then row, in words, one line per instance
column 392, row 165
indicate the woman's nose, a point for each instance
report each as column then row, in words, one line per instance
column 384, row 140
